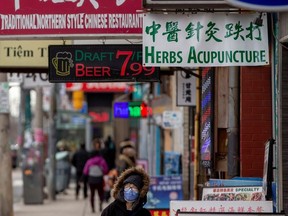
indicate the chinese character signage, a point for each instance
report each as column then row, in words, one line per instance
column 58, row 18
column 232, row 207
column 201, row 40
column 90, row 63
column 186, row 89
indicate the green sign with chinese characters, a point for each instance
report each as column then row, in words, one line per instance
column 202, row 40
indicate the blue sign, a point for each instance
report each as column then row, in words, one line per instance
column 162, row 190
column 261, row 5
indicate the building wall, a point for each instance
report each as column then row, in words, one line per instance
column 255, row 118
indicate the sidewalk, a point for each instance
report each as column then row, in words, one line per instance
column 64, row 205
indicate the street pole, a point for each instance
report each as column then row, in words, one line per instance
column 39, row 135
column 52, row 146
column 6, row 192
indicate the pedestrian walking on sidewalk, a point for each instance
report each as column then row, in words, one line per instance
column 78, row 161
column 130, row 193
column 94, row 171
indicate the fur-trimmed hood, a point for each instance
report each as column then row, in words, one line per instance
column 119, row 185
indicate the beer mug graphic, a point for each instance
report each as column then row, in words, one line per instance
column 62, row 63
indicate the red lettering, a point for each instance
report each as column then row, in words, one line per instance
column 81, row 71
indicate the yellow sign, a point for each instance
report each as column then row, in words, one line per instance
column 26, row 54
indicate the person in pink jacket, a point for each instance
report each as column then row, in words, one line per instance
column 94, row 171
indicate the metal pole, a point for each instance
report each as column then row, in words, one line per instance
column 39, row 135
column 52, row 146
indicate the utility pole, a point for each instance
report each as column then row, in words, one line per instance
column 52, row 145
column 6, row 192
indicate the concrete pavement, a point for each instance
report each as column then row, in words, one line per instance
column 64, row 205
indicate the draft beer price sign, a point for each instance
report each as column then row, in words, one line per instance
column 89, row 63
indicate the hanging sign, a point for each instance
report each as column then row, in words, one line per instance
column 261, row 5
column 186, row 89
column 202, row 40
column 64, row 18
column 90, row 63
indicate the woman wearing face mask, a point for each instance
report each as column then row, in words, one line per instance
column 130, row 193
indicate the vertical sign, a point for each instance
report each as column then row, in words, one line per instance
column 186, row 89
column 207, row 117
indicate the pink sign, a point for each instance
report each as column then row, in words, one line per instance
column 57, row 18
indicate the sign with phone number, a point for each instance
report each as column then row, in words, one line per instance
column 89, row 63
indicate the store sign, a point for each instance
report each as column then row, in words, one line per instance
column 213, row 207
column 260, row 5
column 202, row 40
column 26, row 54
column 90, row 63
column 186, row 89
column 107, row 87
column 243, row 193
column 131, row 110
column 62, row 18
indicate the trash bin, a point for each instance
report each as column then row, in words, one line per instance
column 62, row 171
column 32, row 177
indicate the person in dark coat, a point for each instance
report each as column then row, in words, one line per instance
column 130, row 193
column 78, row 161
column 127, row 157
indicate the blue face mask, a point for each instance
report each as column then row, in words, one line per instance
column 130, row 195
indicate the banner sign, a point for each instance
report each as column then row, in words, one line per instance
column 58, row 18
column 90, row 63
column 202, row 40
column 261, row 5
column 220, row 207
column 248, row 193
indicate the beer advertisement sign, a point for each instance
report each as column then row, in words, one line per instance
column 90, row 63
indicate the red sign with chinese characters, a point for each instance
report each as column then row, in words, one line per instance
column 58, row 18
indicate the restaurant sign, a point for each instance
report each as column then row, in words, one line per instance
column 106, row 63
column 203, row 40
column 58, row 18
